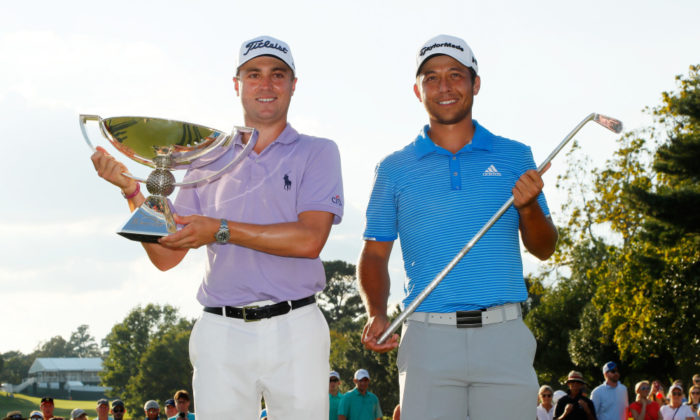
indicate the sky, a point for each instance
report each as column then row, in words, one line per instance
column 544, row 66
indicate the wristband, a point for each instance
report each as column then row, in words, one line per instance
column 133, row 194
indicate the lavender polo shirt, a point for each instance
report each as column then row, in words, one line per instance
column 294, row 174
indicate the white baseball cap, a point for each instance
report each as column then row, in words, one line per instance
column 361, row 374
column 334, row 374
column 265, row 45
column 455, row 47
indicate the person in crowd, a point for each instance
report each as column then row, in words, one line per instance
column 36, row 415
column 170, row 409
column 264, row 224
column 557, row 395
column 696, row 379
column 675, row 409
column 14, row 415
column 334, row 395
column 152, row 410
column 182, row 404
column 694, row 399
column 118, row 409
column 657, row 393
column 360, row 404
column 545, row 409
column 46, row 407
column 573, row 405
column 644, row 408
column 263, row 414
column 102, row 409
column 78, row 414
column 610, row 398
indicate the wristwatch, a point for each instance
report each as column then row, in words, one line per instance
column 223, row 235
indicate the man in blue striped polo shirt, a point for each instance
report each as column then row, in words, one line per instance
column 465, row 352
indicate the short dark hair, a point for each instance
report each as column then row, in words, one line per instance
column 182, row 394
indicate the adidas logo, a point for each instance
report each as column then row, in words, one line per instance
column 491, row 171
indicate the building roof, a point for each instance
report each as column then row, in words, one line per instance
column 73, row 364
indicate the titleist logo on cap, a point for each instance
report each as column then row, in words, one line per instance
column 254, row 45
column 440, row 45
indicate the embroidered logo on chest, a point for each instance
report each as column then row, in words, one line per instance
column 287, row 182
column 491, row 171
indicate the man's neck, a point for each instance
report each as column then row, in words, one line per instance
column 334, row 393
column 361, row 391
column 611, row 384
column 267, row 133
column 452, row 137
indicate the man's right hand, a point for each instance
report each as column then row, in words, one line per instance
column 110, row 169
column 375, row 327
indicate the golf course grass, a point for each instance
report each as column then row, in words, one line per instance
column 27, row 404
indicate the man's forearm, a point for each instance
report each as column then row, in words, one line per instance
column 373, row 277
column 538, row 232
column 304, row 238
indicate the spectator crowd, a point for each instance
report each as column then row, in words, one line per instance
column 607, row 401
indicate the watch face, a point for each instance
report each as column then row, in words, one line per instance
column 223, row 235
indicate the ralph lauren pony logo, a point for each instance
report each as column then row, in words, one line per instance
column 287, row 182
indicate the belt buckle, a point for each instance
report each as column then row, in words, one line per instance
column 469, row 319
column 245, row 317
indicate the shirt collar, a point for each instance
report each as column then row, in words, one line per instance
column 424, row 145
column 287, row 136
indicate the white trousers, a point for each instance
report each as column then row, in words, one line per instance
column 283, row 359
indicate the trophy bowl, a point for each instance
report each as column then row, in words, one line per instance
column 164, row 145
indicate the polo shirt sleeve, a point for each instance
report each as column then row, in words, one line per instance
column 321, row 188
column 381, row 217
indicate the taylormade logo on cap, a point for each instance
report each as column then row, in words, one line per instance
column 265, row 45
column 447, row 45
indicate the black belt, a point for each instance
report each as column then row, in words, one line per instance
column 256, row 313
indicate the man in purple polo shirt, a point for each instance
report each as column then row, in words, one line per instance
column 264, row 223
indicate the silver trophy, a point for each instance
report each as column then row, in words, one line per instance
column 163, row 145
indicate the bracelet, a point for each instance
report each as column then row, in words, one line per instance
column 133, row 194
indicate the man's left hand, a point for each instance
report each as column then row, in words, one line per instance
column 198, row 231
column 528, row 187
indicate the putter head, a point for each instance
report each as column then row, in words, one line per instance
column 610, row 123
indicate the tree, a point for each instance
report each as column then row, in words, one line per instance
column 128, row 341
column 163, row 368
column 340, row 301
column 631, row 249
column 82, row 344
column 15, row 367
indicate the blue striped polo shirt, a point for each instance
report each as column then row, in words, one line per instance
column 436, row 201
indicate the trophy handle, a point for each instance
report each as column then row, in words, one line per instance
column 246, row 150
column 84, row 118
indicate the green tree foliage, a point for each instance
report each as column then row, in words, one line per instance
column 82, row 344
column 129, row 345
column 15, row 367
column 163, row 368
column 626, row 272
column 340, row 301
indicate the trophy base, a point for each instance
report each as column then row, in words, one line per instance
column 151, row 221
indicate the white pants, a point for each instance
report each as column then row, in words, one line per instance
column 283, row 359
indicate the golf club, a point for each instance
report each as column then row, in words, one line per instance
column 607, row 122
